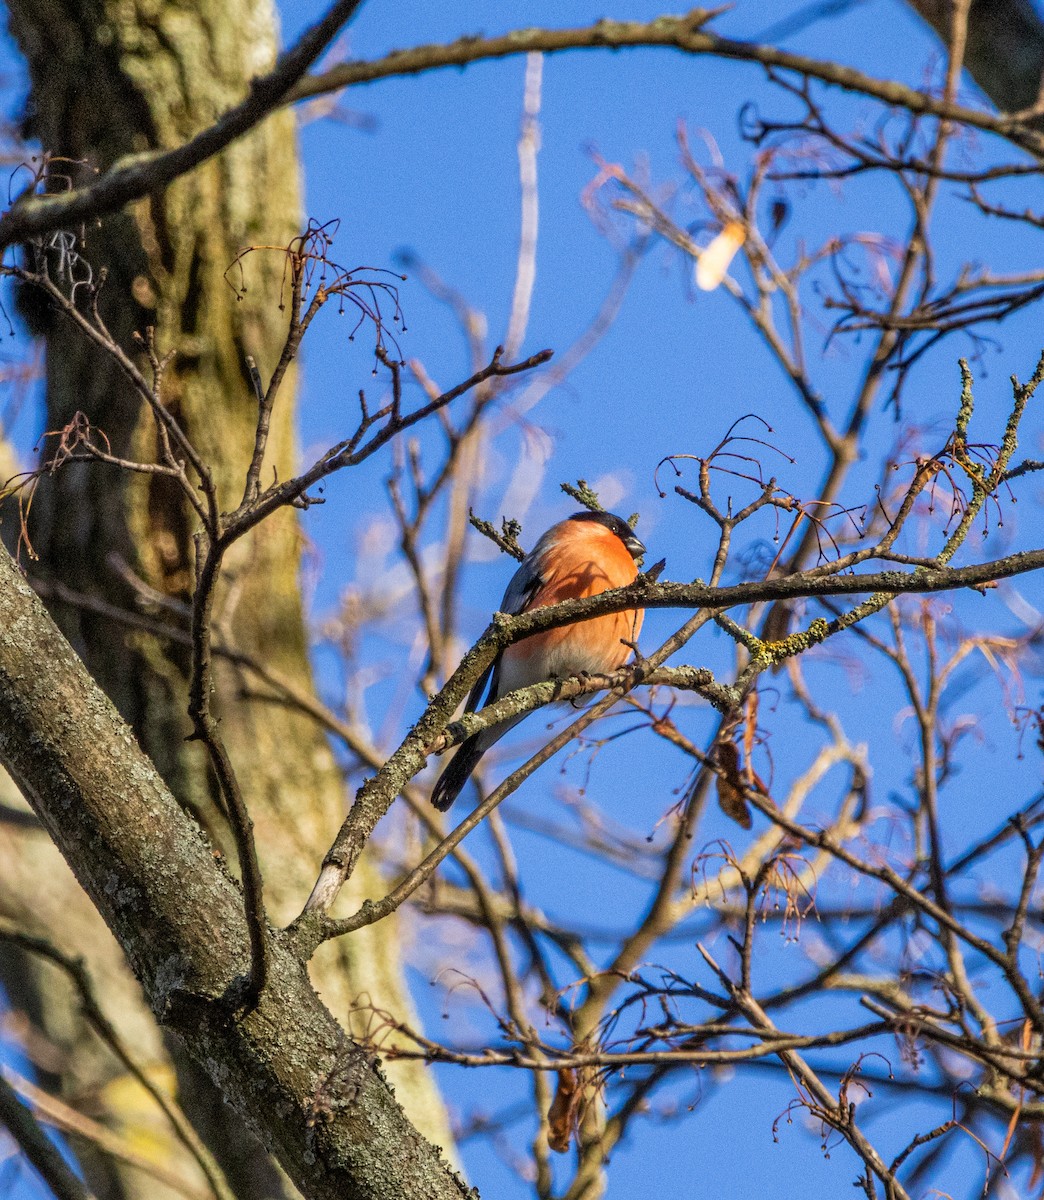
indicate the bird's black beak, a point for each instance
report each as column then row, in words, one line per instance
column 634, row 546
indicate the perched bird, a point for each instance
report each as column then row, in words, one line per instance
column 588, row 553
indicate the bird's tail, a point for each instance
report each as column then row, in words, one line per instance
column 456, row 775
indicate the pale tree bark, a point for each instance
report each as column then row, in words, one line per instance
column 8, row 460
column 110, row 79
column 1005, row 51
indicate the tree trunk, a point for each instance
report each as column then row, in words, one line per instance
column 110, row 79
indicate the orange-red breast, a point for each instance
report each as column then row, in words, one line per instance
column 588, row 553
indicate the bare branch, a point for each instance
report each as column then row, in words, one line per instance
column 35, row 214
column 686, row 34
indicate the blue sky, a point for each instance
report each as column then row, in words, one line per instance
column 432, row 169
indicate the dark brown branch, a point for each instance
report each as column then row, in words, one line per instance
column 37, row 214
column 205, row 729
column 768, row 1043
column 140, row 174
column 358, row 448
column 686, row 34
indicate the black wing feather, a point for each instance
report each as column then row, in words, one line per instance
column 449, row 784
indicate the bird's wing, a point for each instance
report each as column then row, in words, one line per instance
column 524, row 585
column 474, row 700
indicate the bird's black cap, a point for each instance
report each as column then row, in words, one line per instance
column 618, row 526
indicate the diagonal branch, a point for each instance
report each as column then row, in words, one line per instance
column 137, row 175
column 179, row 917
column 684, row 33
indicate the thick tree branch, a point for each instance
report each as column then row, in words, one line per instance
column 327, row 1112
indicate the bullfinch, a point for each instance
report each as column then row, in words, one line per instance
column 588, row 553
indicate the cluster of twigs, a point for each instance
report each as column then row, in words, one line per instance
column 311, row 280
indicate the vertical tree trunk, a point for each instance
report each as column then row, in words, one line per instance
column 110, row 79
